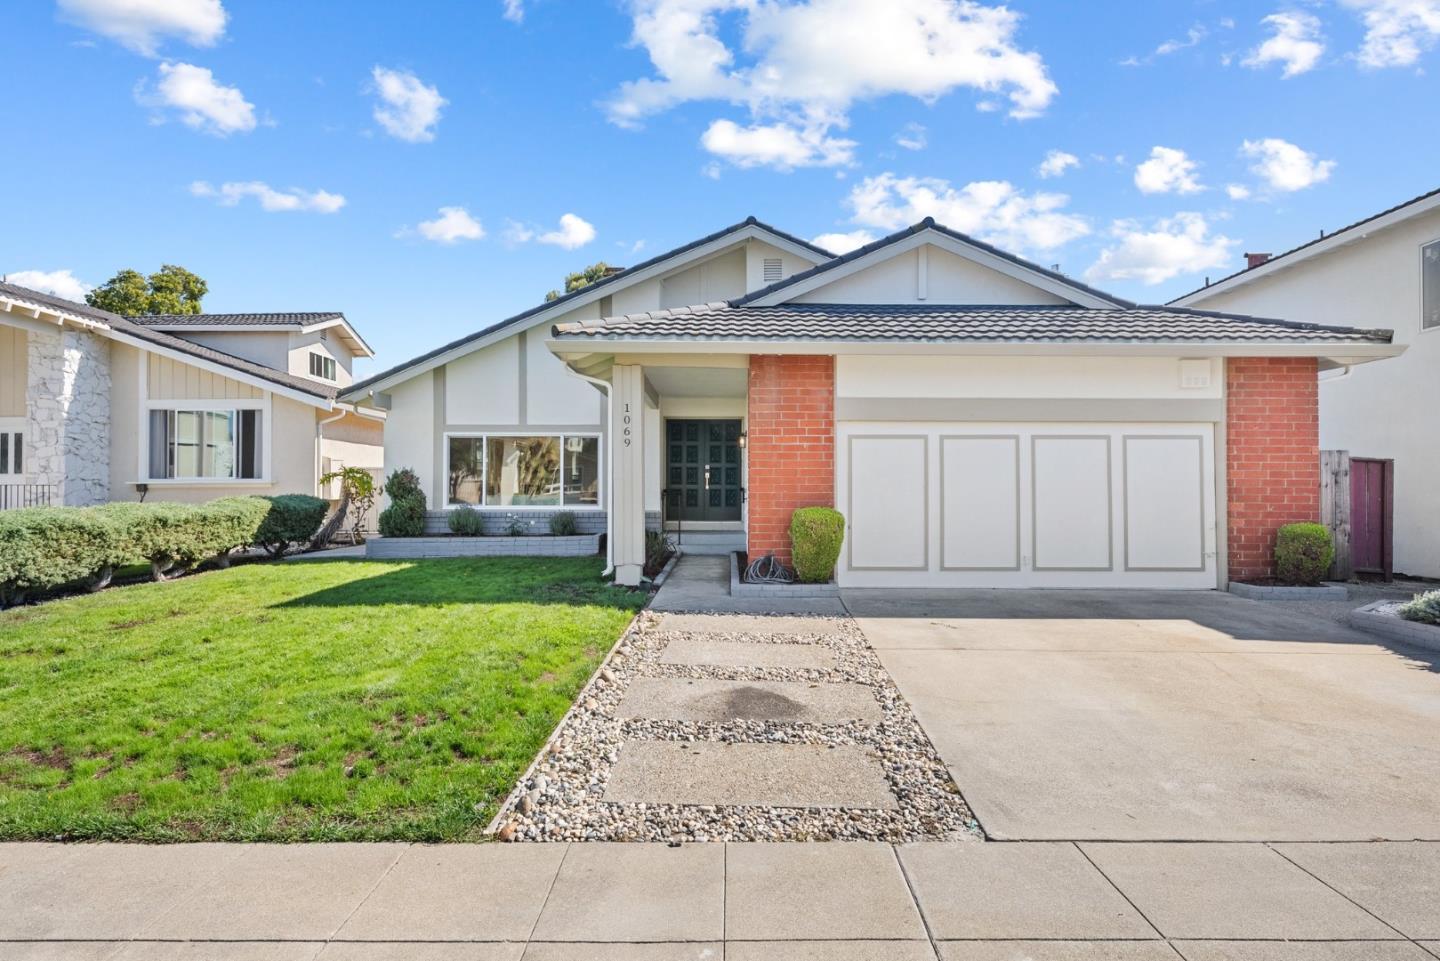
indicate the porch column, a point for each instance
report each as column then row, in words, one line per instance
column 627, row 472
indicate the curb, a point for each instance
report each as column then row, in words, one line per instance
column 1265, row 592
column 1372, row 621
column 805, row 591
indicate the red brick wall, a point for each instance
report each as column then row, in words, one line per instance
column 791, row 446
column 1272, row 413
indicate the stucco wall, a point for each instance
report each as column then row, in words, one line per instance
column 269, row 348
column 411, row 432
column 948, row 280
column 1378, row 409
column 326, row 342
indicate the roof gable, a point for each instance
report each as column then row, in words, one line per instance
column 991, row 272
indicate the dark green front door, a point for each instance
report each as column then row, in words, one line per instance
column 702, row 472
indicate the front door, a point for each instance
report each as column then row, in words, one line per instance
column 702, row 470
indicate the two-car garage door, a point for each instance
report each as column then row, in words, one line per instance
column 1027, row 505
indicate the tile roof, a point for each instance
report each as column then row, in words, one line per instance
column 950, row 324
column 583, row 291
column 124, row 325
column 237, row 320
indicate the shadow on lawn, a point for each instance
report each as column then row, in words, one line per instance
column 435, row 583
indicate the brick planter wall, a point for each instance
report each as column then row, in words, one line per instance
column 1272, row 413
column 791, row 427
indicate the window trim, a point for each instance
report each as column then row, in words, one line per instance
column 485, row 435
column 329, row 367
column 1424, row 329
column 10, row 427
column 236, row 405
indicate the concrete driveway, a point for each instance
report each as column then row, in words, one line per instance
column 1165, row 715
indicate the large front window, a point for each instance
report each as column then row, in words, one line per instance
column 205, row 444
column 1430, row 283
column 555, row 470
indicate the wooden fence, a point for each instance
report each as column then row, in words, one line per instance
column 1335, row 509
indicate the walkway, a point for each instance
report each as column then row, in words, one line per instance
column 738, row 902
column 702, row 583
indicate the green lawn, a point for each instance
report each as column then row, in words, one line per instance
column 329, row 700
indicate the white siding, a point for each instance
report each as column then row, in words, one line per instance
column 719, row 278
column 484, row 387
column 411, row 432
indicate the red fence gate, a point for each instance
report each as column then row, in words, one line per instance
column 1372, row 487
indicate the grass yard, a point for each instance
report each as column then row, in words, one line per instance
column 327, row 700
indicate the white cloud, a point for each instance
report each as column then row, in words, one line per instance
column 995, row 211
column 1297, row 43
column 453, row 225
column 408, row 109
column 1176, row 245
column 843, row 243
column 202, row 102
column 60, row 283
column 1055, row 164
column 1285, row 166
column 912, row 136
column 1397, row 32
column 573, row 232
column 141, row 25
column 1193, row 37
column 804, row 63
column 1237, row 191
column 776, row 145
column 1167, row 171
column 514, row 10
column 270, row 199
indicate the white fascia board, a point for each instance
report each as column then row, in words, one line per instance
column 1341, row 238
column 747, row 232
column 984, row 258
column 51, row 315
column 1338, row 353
column 350, row 334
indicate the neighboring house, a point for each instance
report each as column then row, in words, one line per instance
column 980, row 421
column 1383, row 271
column 96, row 407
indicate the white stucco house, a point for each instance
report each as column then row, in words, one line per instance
column 1382, row 271
column 95, row 407
column 979, row 420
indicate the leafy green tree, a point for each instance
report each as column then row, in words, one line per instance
column 170, row 290
column 584, row 278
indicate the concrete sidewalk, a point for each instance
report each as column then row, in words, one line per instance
column 1043, row 901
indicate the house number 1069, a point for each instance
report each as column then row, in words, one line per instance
column 626, row 422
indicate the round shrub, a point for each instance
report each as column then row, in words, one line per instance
column 562, row 524
column 816, row 534
column 230, row 523
column 403, row 483
column 45, row 547
column 403, row 518
column 1424, row 609
column 465, row 521
column 1303, row 553
column 291, row 519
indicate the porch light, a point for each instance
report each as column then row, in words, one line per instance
column 742, row 440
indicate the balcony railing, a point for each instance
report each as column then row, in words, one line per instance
column 27, row 495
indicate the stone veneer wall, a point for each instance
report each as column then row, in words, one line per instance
column 67, row 399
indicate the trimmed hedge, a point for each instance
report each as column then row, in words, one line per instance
column 405, row 517
column 291, row 519
column 816, row 534
column 45, row 547
column 1303, row 553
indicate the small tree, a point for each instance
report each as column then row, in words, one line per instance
column 577, row 281
column 357, row 499
column 170, row 290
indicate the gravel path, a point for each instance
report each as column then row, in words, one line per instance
column 562, row 798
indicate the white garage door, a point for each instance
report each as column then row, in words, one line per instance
column 1027, row 505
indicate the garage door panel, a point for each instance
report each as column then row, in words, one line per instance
column 980, row 502
column 889, row 483
column 1072, row 506
column 1164, row 503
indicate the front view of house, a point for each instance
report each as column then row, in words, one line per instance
column 979, row 421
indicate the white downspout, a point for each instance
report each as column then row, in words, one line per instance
column 319, row 440
column 610, row 475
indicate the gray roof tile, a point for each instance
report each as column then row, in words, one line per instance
column 237, row 320
column 958, row 324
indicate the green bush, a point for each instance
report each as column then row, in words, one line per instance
column 562, row 524
column 292, row 519
column 465, row 521
column 1303, row 553
column 160, row 534
column 1425, row 608
column 405, row 517
column 45, row 547
column 658, row 549
column 403, row 483
column 815, row 537
column 231, row 523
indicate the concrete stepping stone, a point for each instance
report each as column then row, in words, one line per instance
column 717, row 653
column 746, row 624
column 768, row 775
column 691, row 699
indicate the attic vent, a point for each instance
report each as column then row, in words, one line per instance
column 774, row 270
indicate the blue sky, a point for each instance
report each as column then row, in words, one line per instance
column 431, row 168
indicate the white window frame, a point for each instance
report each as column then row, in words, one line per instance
column 11, row 426
column 1423, row 328
column 325, row 362
column 233, row 404
column 485, row 435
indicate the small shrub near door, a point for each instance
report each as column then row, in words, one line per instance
column 1303, row 553
column 816, row 534
column 467, row 522
column 1424, row 609
column 405, row 517
column 562, row 524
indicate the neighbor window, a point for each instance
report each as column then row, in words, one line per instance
column 12, row 453
column 196, row 444
column 322, row 366
column 526, row 471
column 1430, row 283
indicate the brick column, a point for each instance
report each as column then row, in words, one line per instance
column 1272, row 413
column 791, row 452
